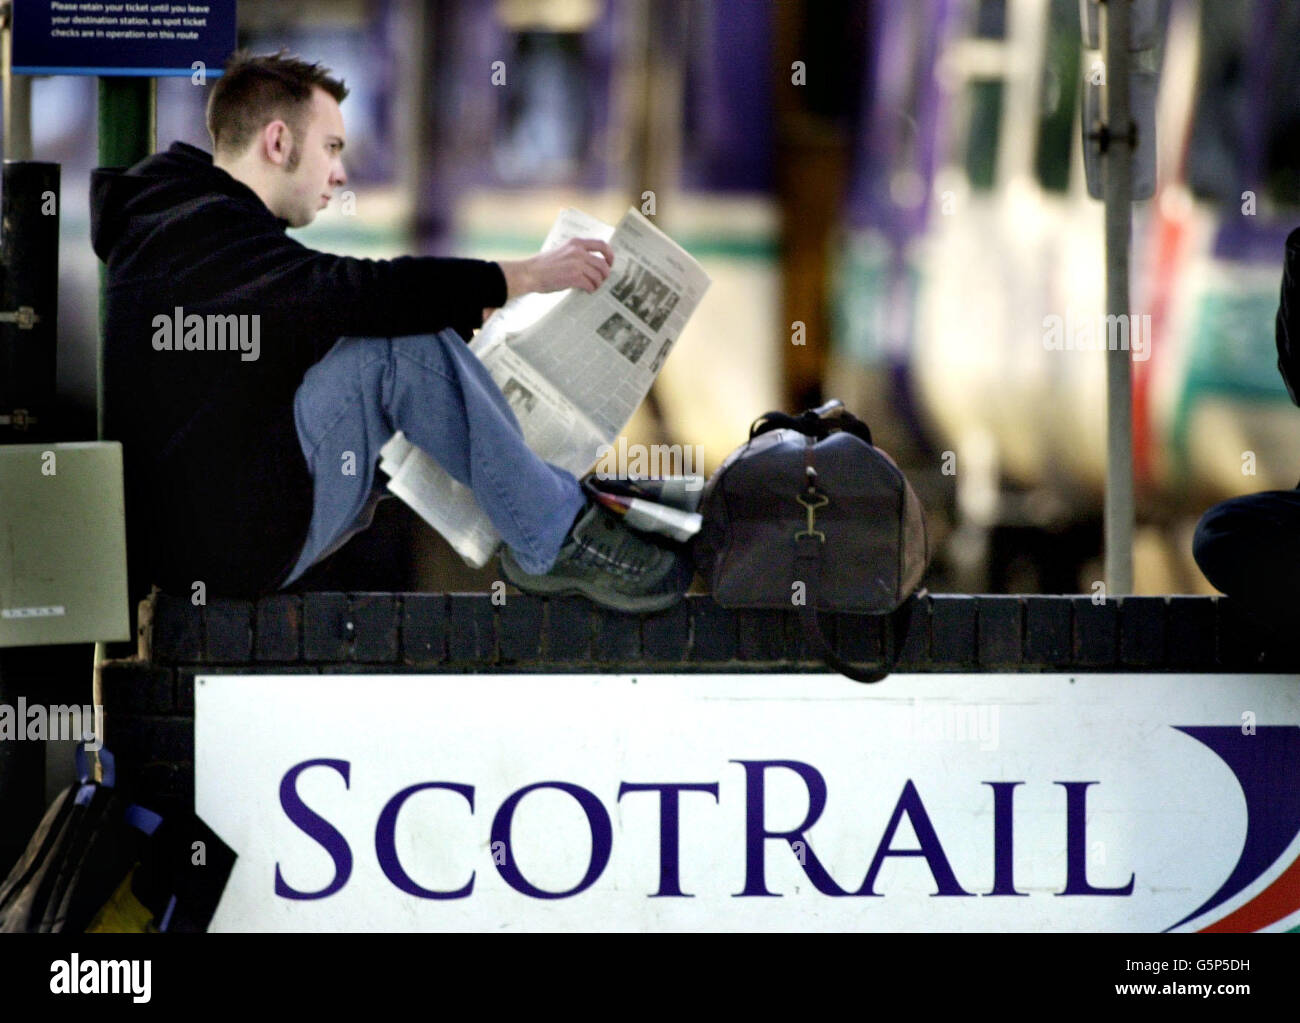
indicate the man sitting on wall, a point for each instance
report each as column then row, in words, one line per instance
column 252, row 380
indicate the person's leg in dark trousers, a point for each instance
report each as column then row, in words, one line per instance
column 437, row 392
column 1249, row 548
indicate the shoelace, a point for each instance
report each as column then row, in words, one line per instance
column 593, row 552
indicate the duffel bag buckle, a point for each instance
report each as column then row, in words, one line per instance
column 812, row 500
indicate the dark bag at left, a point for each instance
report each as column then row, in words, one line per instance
column 99, row 862
column 79, row 854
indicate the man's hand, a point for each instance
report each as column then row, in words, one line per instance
column 578, row 263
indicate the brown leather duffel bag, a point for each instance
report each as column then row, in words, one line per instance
column 810, row 514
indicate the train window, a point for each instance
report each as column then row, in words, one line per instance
column 543, row 131
column 834, row 39
column 1247, row 114
column 991, row 19
column 63, row 118
column 727, row 118
column 1058, row 96
column 984, row 101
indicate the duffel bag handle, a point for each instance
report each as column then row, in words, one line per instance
column 815, row 422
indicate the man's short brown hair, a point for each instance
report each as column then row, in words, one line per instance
column 256, row 90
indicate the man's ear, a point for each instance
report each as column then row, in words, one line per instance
column 276, row 141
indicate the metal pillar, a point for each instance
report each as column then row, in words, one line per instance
column 16, row 91
column 1118, row 194
column 127, row 130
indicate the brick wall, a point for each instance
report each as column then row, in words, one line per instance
column 149, row 700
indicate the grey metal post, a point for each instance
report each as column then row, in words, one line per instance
column 17, row 95
column 1119, row 514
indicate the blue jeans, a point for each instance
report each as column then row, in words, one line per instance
column 437, row 392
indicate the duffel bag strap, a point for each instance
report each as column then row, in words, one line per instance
column 807, row 559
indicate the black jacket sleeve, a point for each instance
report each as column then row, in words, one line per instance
column 1288, row 317
column 266, row 271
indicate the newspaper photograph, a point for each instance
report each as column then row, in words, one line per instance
column 572, row 365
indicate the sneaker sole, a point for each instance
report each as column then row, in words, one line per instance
column 544, row 586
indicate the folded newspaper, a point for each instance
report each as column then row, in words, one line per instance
column 573, row 365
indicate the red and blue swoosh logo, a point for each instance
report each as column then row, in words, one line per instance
column 1266, row 764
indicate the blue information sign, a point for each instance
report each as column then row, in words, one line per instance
column 122, row 37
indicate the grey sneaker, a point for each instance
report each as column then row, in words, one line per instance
column 609, row 563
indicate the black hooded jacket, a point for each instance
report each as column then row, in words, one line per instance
column 217, row 489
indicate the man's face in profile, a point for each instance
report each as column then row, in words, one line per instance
column 315, row 165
